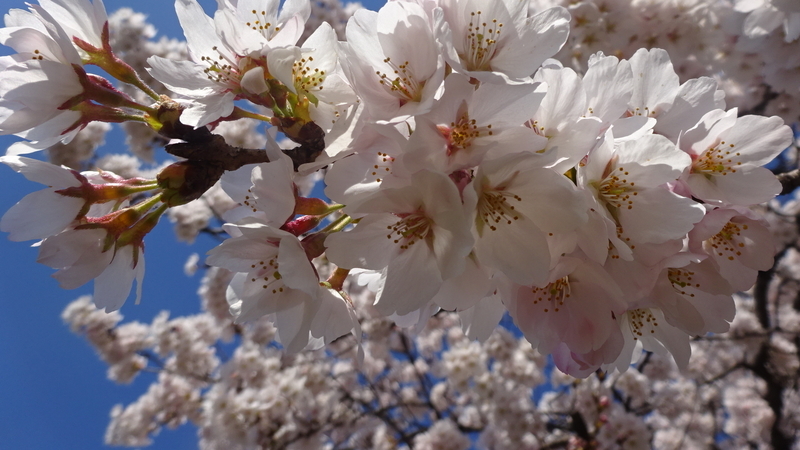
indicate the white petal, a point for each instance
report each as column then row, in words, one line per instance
column 112, row 287
column 39, row 215
column 659, row 215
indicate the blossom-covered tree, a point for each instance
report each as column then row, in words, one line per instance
column 543, row 225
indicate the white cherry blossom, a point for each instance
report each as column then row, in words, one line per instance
column 630, row 182
column 228, row 55
column 727, row 152
column 496, row 41
column 737, row 242
column 517, row 202
column 468, row 123
column 417, row 236
column 393, row 61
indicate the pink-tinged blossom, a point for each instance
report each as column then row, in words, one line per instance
column 61, row 215
column 44, row 92
column 727, row 154
column 577, row 307
column 37, row 80
column 273, row 276
column 265, row 191
column 393, row 61
column 635, row 267
column 354, row 179
column 647, row 329
column 274, row 271
column 417, row 236
column 497, row 41
column 737, row 242
column 695, row 298
column 265, row 26
column 32, row 95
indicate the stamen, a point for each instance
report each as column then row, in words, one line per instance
column 717, row 160
column 306, row 79
column 268, row 273
column 617, row 191
column 681, row 279
column 223, row 71
column 555, row 293
column 383, row 166
column 261, row 24
column 641, row 321
column 480, row 42
column 495, row 208
column 409, row 229
column 404, row 84
column 728, row 241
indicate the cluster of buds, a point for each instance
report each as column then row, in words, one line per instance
column 88, row 226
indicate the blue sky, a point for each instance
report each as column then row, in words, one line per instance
column 54, row 392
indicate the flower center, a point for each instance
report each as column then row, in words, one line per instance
column 554, row 293
column 409, row 229
column 641, row 321
column 617, row 191
column 222, row 70
column 268, row 272
column 459, row 134
column 682, row 279
column 305, row 78
column 728, row 240
column 402, row 82
column 538, row 129
column 495, row 208
column 717, row 160
column 382, row 167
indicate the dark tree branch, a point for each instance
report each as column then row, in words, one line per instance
column 789, row 181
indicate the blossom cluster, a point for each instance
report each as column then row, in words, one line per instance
column 750, row 47
column 437, row 388
column 606, row 211
column 431, row 385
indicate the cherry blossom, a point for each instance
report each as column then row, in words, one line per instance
column 395, row 79
column 727, row 155
column 629, row 182
column 427, row 213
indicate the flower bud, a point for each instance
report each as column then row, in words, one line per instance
column 185, row 181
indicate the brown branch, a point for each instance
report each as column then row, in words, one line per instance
column 773, row 397
column 213, row 149
column 789, row 181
